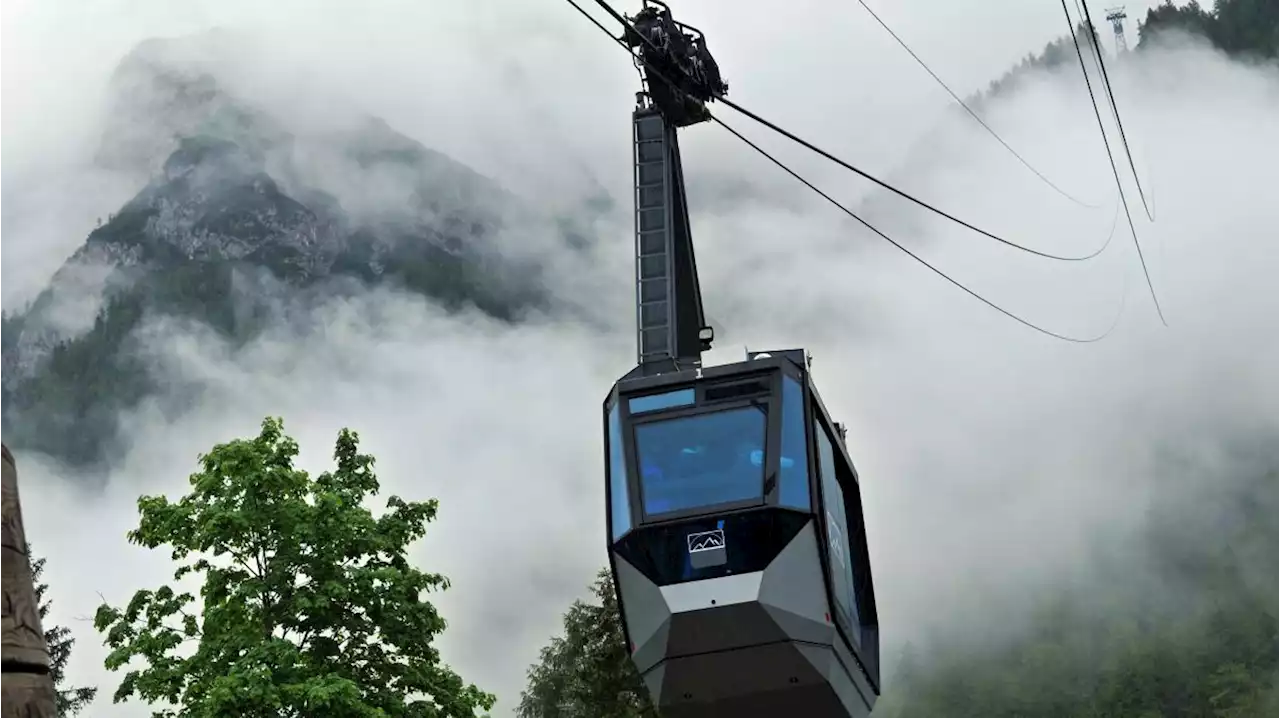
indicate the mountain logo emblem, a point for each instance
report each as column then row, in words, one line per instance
column 705, row 541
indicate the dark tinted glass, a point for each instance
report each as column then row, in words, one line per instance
column 837, row 532
column 751, row 540
column 619, row 501
column 793, row 465
column 701, row 460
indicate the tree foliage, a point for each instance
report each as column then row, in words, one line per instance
column 1057, row 53
column 70, row 701
column 310, row 606
column 1237, row 27
column 587, row 672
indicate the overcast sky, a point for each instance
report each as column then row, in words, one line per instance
column 993, row 459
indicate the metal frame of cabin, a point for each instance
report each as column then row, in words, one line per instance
column 729, row 608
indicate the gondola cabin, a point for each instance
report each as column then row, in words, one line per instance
column 737, row 543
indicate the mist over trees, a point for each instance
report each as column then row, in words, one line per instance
column 1195, row 635
column 1243, row 28
column 1055, row 54
column 309, row 606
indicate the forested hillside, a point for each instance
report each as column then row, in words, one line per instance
column 1244, row 28
column 1195, row 635
column 1060, row 52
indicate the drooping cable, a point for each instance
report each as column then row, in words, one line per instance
column 879, row 233
column 1064, row 337
column 969, row 110
column 1092, row 55
column 814, row 148
column 1111, row 158
column 808, row 145
column 1115, row 109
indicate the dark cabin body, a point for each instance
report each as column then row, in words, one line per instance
column 737, row 543
column 734, row 518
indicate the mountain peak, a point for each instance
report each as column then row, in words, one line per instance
column 232, row 197
column 168, row 89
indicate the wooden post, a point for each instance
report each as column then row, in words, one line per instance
column 27, row 686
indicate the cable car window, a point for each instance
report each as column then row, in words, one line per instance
column 793, row 484
column 701, row 461
column 654, row 402
column 841, row 558
column 619, row 500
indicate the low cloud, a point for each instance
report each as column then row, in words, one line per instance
column 994, row 460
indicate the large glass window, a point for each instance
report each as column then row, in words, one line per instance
column 841, row 558
column 619, row 499
column 793, row 485
column 701, row 460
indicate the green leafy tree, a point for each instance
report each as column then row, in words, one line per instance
column 310, row 604
column 587, row 672
column 70, row 701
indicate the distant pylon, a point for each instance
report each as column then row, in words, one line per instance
column 1117, row 15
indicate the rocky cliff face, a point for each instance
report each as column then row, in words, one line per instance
column 235, row 210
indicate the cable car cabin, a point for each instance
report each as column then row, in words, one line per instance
column 737, row 543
